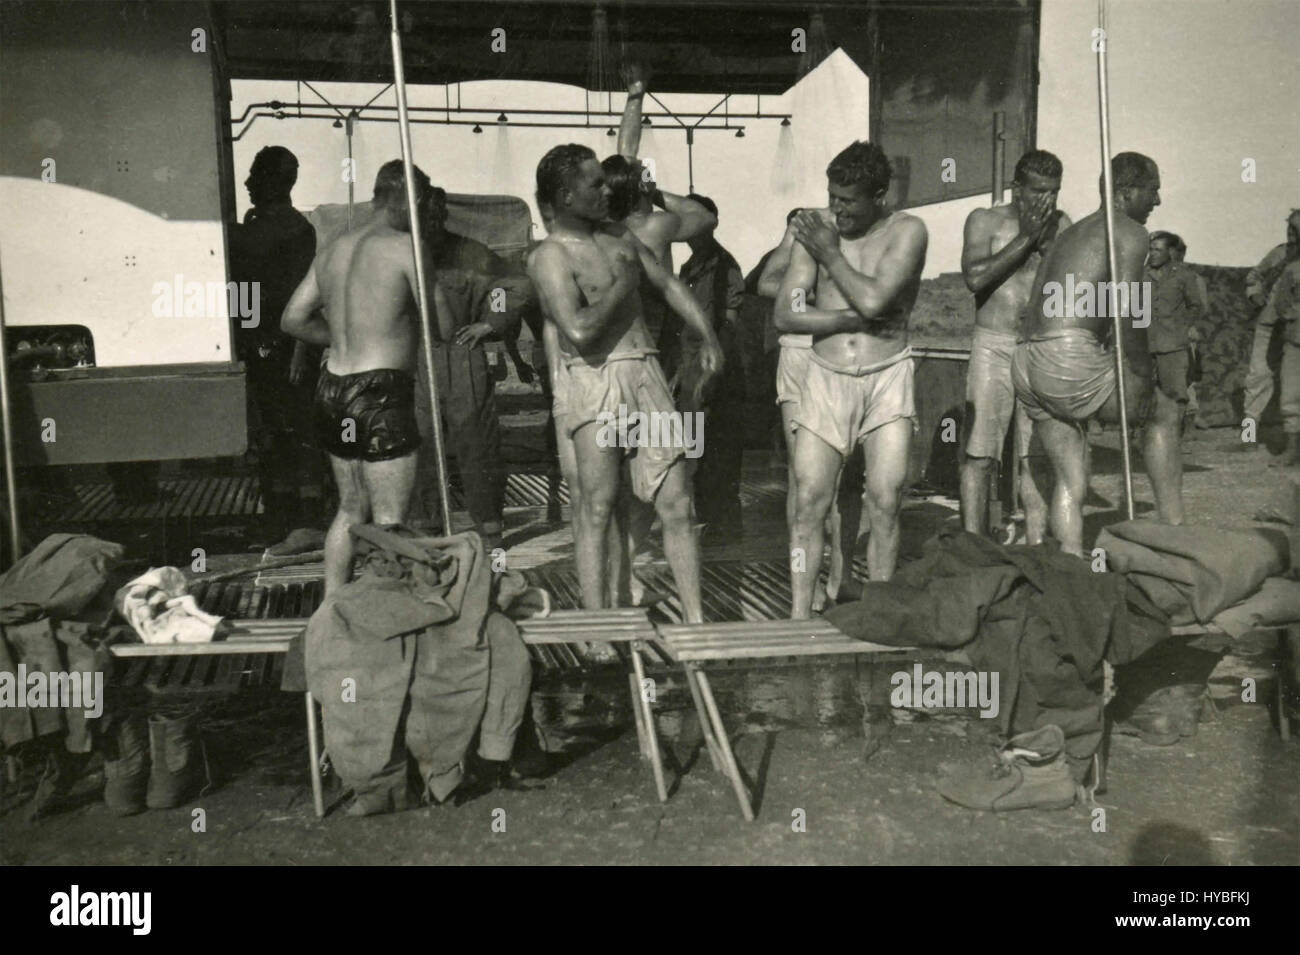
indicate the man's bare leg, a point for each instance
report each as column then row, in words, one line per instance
column 388, row 486
column 597, row 472
column 354, row 508
column 676, row 511
column 846, row 526
column 1031, row 499
column 887, row 450
column 1066, row 445
column 835, row 573
column 816, row 466
column 975, row 494
column 1162, row 450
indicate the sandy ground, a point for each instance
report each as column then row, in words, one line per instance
column 861, row 782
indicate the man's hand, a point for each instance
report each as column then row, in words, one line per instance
column 635, row 76
column 1038, row 221
column 711, row 361
column 472, row 334
column 821, row 241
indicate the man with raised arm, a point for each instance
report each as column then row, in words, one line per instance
column 655, row 217
column 1065, row 372
column 364, row 410
column 586, row 278
column 1001, row 250
column 866, row 272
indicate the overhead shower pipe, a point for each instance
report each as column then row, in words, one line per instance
column 279, row 105
column 461, row 122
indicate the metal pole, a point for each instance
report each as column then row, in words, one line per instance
column 999, row 154
column 1108, row 199
column 421, row 284
column 6, row 422
column 352, row 168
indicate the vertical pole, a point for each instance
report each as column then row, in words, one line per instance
column 994, row 515
column 421, row 283
column 1108, row 200
column 690, row 160
column 352, row 172
column 6, row 423
column 999, row 155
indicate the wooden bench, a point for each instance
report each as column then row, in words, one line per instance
column 627, row 626
column 692, row 645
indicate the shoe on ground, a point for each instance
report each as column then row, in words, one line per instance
column 1166, row 716
column 176, row 761
column 1029, row 772
column 126, row 768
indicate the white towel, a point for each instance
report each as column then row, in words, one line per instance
column 160, row 610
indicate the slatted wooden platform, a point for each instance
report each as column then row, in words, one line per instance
column 190, row 497
column 760, row 640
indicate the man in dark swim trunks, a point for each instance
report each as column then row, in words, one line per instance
column 364, row 412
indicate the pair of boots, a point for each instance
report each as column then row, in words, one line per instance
column 157, row 768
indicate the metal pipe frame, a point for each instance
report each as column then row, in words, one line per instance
column 6, row 422
column 421, row 280
column 1108, row 198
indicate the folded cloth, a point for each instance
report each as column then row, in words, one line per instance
column 1276, row 604
column 159, row 609
column 1192, row 573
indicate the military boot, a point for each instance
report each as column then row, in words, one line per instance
column 1167, row 715
column 177, row 758
column 1029, row 772
column 126, row 767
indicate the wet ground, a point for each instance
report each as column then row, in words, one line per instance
column 837, row 775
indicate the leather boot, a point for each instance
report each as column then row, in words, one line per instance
column 1167, row 715
column 176, row 754
column 1029, row 772
column 126, row 767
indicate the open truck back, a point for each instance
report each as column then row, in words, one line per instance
column 115, row 184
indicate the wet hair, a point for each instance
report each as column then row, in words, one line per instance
column 390, row 184
column 706, row 202
column 862, row 163
column 1129, row 171
column 1039, row 162
column 1173, row 242
column 277, row 164
column 623, row 176
column 557, row 169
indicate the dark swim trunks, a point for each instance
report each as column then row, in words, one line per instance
column 369, row 416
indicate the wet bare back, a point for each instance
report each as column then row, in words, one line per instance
column 889, row 331
column 367, row 283
column 1080, row 252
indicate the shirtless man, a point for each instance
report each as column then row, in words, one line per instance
column 1065, row 373
column 1000, row 253
column 791, row 371
column 364, row 410
column 866, row 272
column 586, row 278
column 657, row 219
